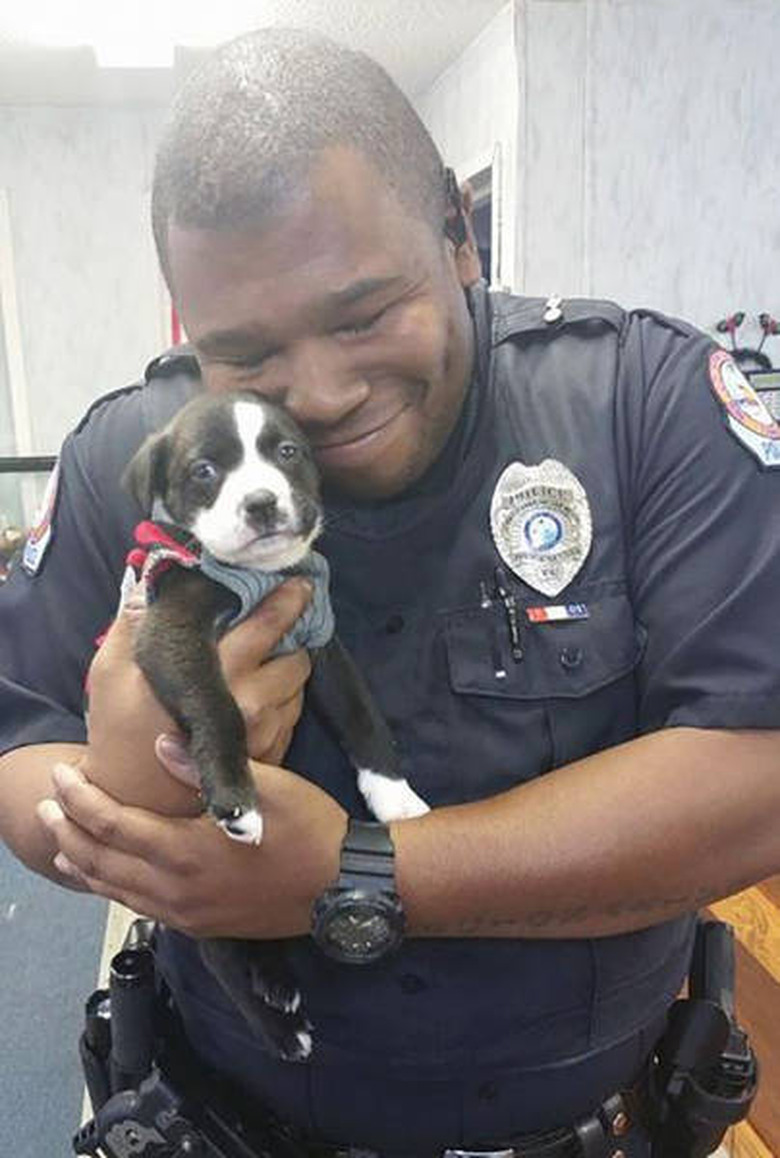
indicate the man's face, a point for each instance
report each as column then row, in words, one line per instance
column 344, row 308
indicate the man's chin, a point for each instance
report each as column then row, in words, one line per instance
column 370, row 486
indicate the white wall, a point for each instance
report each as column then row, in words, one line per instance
column 77, row 182
column 651, row 154
column 471, row 112
column 647, row 148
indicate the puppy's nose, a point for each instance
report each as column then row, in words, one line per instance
column 260, row 506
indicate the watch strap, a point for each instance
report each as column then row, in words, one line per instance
column 367, row 857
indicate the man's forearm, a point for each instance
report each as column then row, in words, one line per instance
column 25, row 779
column 627, row 838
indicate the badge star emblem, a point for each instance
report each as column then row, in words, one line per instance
column 541, row 524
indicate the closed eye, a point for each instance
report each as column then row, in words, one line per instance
column 362, row 326
column 246, row 361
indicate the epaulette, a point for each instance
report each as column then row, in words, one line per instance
column 177, row 360
column 513, row 316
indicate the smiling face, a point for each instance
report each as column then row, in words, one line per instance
column 345, row 309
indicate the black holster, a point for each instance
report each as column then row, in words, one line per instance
column 706, row 1074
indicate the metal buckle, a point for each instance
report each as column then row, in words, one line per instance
column 478, row 1154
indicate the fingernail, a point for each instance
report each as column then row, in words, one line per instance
column 64, row 775
column 136, row 599
column 172, row 753
column 49, row 812
column 63, row 865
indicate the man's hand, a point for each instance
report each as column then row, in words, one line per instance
column 186, row 872
column 125, row 719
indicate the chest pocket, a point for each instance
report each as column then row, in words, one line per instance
column 571, row 693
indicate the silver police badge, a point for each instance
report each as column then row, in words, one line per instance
column 541, row 524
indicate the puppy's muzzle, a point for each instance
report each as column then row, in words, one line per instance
column 261, row 511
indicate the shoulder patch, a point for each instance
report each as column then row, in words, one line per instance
column 38, row 540
column 747, row 417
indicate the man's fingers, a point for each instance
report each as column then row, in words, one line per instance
column 176, row 760
column 103, row 870
column 254, row 640
column 125, row 829
column 272, row 687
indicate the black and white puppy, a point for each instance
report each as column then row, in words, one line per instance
column 232, row 479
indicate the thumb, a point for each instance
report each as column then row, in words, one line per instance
column 116, row 644
column 176, row 760
column 132, row 605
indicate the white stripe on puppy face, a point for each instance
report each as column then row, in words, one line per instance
column 223, row 528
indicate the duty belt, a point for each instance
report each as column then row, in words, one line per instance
column 596, row 1136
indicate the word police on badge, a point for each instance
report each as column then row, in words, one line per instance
column 541, row 524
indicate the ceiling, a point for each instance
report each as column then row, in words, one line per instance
column 415, row 40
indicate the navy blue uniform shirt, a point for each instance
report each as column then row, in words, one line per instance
column 456, row 1042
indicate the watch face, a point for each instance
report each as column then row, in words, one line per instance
column 358, row 930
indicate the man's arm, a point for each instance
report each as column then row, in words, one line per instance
column 627, row 838
column 25, row 780
column 624, row 839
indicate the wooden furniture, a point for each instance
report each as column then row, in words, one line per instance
column 755, row 915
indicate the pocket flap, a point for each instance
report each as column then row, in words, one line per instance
column 560, row 660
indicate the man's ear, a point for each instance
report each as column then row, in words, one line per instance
column 459, row 229
column 467, row 261
column 144, row 475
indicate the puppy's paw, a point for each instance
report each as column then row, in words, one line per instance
column 278, row 994
column 297, row 1047
column 390, row 799
column 245, row 825
column 288, row 1035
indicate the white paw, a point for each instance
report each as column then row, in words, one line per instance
column 246, row 827
column 298, row 1048
column 284, row 999
column 390, row 799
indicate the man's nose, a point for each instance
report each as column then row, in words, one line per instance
column 323, row 386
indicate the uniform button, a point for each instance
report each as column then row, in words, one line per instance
column 553, row 311
column 411, row 983
column 488, row 1091
column 571, row 658
column 394, row 624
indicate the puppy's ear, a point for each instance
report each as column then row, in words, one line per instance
column 144, row 475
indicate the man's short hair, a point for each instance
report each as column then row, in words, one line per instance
column 247, row 126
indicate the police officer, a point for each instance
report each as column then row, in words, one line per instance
column 553, row 535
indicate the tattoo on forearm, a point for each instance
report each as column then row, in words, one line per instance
column 533, row 922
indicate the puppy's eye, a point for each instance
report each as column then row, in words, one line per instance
column 287, row 451
column 203, row 471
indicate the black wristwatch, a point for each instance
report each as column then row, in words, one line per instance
column 360, row 919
